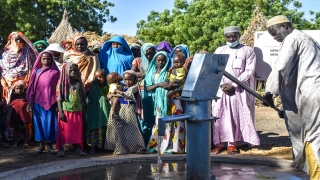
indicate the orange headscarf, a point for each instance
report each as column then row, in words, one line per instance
column 87, row 61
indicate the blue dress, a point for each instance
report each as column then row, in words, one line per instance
column 45, row 122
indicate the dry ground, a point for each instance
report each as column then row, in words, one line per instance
column 273, row 135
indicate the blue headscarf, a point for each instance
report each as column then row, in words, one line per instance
column 184, row 49
column 116, row 59
column 144, row 60
column 159, row 94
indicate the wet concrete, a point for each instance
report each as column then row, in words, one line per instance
column 35, row 171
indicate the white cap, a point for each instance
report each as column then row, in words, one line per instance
column 55, row 47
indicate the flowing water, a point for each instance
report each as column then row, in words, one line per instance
column 159, row 162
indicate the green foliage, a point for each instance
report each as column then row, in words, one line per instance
column 200, row 23
column 39, row 18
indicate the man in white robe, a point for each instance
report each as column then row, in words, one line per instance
column 295, row 77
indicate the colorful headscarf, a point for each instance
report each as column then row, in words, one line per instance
column 184, row 50
column 42, row 85
column 15, row 63
column 116, row 59
column 41, row 42
column 159, row 95
column 144, row 60
column 87, row 61
column 63, row 88
column 165, row 46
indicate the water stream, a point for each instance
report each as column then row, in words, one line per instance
column 159, row 161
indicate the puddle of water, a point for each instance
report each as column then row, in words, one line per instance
column 175, row 171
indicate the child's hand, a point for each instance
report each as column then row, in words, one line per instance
column 62, row 117
column 118, row 91
column 29, row 108
column 109, row 96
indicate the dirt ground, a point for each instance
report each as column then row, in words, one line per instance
column 271, row 129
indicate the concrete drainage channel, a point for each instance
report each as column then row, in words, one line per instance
column 35, row 171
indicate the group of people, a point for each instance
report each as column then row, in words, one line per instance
column 67, row 94
column 112, row 98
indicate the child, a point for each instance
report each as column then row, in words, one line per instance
column 71, row 100
column 18, row 112
column 123, row 134
column 97, row 111
column 177, row 75
column 114, row 80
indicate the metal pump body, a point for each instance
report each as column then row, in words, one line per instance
column 200, row 88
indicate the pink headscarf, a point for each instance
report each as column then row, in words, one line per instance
column 42, row 85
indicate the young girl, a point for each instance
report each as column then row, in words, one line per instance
column 97, row 111
column 71, row 100
column 173, row 141
column 41, row 95
column 17, row 112
column 123, row 134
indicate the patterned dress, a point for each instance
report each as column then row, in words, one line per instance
column 123, row 134
column 174, row 138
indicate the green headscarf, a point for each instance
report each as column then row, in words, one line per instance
column 41, row 42
column 159, row 95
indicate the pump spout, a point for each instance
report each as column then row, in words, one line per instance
column 162, row 121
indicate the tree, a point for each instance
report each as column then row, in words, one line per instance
column 200, row 23
column 37, row 19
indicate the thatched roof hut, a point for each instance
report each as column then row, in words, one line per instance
column 258, row 23
column 64, row 31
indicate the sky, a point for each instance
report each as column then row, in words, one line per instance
column 130, row 12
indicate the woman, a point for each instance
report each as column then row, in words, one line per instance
column 155, row 82
column 135, row 49
column 140, row 66
column 116, row 56
column 41, row 95
column 180, row 48
column 17, row 61
column 87, row 61
column 41, row 45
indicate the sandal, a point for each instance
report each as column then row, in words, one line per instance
column 60, row 153
column 26, row 145
column 52, row 152
column 81, row 153
column 217, row 150
column 37, row 152
column 232, row 150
